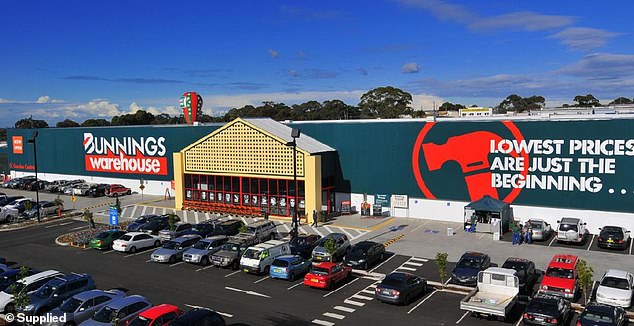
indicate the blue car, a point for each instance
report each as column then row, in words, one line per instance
column 119, row 312
column 470, row 264
column 140, row 221
column 289, row 267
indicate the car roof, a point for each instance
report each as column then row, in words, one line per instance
column 326, row 264
column 616, row 273
column 570, row 220
column 500, row 270
column 473, row 254
column 216, row 237
column 601, row 308
column 134, row 233
column 40, row 275
column 125, row 301
column 535, row 220
column 196, row 313
column 517, row 260
column 288, row 257
column 401, row 276
column 158, row 311
column 563, row 261
column 260, row 223
column 267, row 245
column 365, row 244
column 86, row 295
column 185, row 238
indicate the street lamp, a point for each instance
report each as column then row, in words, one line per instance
column 37, row 185
column 295, row 133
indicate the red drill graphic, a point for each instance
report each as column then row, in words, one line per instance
column 471, row 151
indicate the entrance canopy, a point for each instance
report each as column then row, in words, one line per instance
column 488, row 204
column 489, row 211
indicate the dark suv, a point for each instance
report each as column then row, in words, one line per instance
column 57, row 290
column 155, row 225
column 525, row 271
column 97, row 190
column 466, row 271
column 209, row 229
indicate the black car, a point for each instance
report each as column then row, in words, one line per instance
column 155, row 225
column 199, row 317
column 365, row 254
column 400, row 288
column 526, row 273
column 304, row 244
column 546, row 309
column 8, row 200
column 97, row 190
column 466, row 271
column 613, row 237
column 140, row 221
column 596, row 314
column 208, row 229
column 36, row 185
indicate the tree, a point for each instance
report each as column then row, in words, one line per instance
column 584, row 275
column 586, row 101
column 172, row 219
column 621, row 100
column 68, row 123
column 520, row 104
column 20, row 297
column 330, row 247
column 29, row 123
column 95, row 123
column 448, row 106
column 441, row 262
column 386, row 102
column 3, row 134
column 140, row 117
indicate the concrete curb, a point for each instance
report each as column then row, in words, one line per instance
column 61, row 244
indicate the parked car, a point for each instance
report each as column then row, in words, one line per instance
column 53, row 186
column 12, row 184
column 157, row 316
column 82, row 306
column 133, row 241
column 599, row 314
column 258, row 259
column 230, row 253
column 172, row 251
column 66, row 187
column 36, row 185
column 26, row 285
column 571, row 229
column 561, row 277
column 179, row 230
column 98, row 190
column 8, row 214
column 46, row 208
column 199, row 316
column 304, row 244
column 540, row 229
column 105, row 239
column 400, row 288
column 468, row 267
column 117, row 190
column 119, row 312
column 525, row 272
column 21, row 204
column 544, row 309
column 342, row 245
column 616, row 288
column 12, row 275
column 27, row 183
column 140, row 221
column 201, row 252
column 56, row 291
column 327, row 275
column 263, row 230
column 4, row 201
column 365, row 254
column 81, row 189
column 155, row 225
column 613, row 237
column 289, row 267
column 211, row 228
column 496, row 293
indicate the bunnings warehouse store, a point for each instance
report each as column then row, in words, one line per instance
column 415, row 168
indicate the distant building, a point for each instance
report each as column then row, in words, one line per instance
column 475, row 112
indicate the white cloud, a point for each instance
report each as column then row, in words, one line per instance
column 525, row 21
column 410, row 68
column 605, row 66
column 583, row 38
column 274, row 54
column 170, row 109
column 425, row 101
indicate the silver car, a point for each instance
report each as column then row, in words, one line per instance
column 540, row 229
column 201, row 252
column 172, row 251
column 179, row 230
column 83, row 305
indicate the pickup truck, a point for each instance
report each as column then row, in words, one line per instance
column 496, row 293
column 230, row 252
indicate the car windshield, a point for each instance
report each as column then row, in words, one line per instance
column 547, row 306
column 171, row 245
column 319, row 271
column 126, row 237
column 70, row 305
column 568, row 227
column 230, row 247
column 536, row 225
column 358, row 251
column 560, row 272
column 298, row 241
column 15, row 288
column 470, row 262
column 102, row 235
column 202, row 245
column 45, row 291
column 280, row 263
column 105, row 315
column 252, row 253
column 520, row 268
column 140, row 321
column 595, row 317
column 617, row 283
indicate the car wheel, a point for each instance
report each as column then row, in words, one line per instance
column 235, row 265
column 132, row 249
column 157, row 243
column 172, row 259
column 382, row 257
column 366, row 266
column 267, row 270
column 291, row 277
column 129, row 192
column 204, row 261
column 407, row 300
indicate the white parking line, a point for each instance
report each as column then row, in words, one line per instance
column 518, row 322
column 381, row 264
column 318, row 232
column 286, row 227
column 185, row 217
column 164, row 211
column 249, row 292
column 590, row 245
column 354, row 303
column 461, row 318
column 346, row 309
column 553, row 240
column 406, row 268
column 328, row 229
column 133, row 211
column 334, row 315
column 341, row 287
column 367, row 291
column 419, row 259
column 234, row 273
column 322, row 322
column 66, row 223
column 631, row 241
column 220, row 313
column 79, row 227
column 412, row 263
column 144, row 209
column 148, row 261
column 347, row 233
column 108, row 251
column 204, row 268
column 153, row 210
column 196, row 217
column 298, row 284
column 207, row 217
column 362, row 297
column 421, row 302
column 176, row 264
column 372, row 286
column 244, row 220
column 262, row 279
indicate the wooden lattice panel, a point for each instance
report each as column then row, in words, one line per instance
column 242, row 149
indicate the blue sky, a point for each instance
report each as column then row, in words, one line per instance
column 90, row 59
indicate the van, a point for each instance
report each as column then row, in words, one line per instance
column 263, row 230
column 258, row 259
column 27, row 285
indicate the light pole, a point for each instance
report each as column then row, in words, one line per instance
column 295, row 133
column 37, row 185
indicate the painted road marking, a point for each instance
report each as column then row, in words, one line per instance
column 317, row 230
column 328, row 229
column 247, row 292
column 590, row 245
column 196, row 217
column 298, row 284
column 244, row 220
column 234, row 273
column 262, row 279
column 220, row 313
column 381, row 264
column 79, row 227
column 108, row 251
column 518, row 322
column 133, row 211
column 207, row 217
column 164, row 211
column 347, row 233
column 322, row 322
column 334, row 315
column 346, row 309
column 176, row 264
column 631, row 241
column 372, row 286
column 354, row 303
column 137, row 253
column 286, row 227
column 419, row 259
column 205, row 268
column 148, row 261
column 461, row 318
column 421, row 302
column 367, row 291
column 341, row 287
column 406, row 268
column 66, row 223
column 362, row 297
column 412, row 263
column 553, row 240
column 391, row 241
column 153, row 210
column 143, row 211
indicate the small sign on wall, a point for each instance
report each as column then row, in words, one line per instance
column 400, row 201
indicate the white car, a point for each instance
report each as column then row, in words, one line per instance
column 571, row 229
column 133, row 241
column 616, row 288
column 81, row 189
column 27, row 285
column 8, row 214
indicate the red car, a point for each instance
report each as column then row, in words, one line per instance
column 561, row 277
column 326, row 275
column 118, row 190
column 157, row 316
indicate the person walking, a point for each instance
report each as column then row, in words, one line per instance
column 528, row 236
column 515, row 231
column 472, row 227
column 314, row 219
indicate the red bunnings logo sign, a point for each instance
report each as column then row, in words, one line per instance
column 134, row 155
